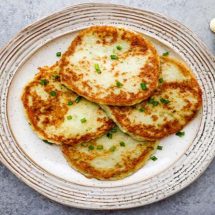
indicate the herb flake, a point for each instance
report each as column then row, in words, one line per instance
column 159, row 147
column 78, row 99
column 143, row 86
column 161, row 80
column 90, row 147
column 122, row 144
column 58, row 54
column 44, row 82
column 53, row 93
column 119, row 47
column 119, row 84
column 166, row 54
column 70, row 103
column 47, row 142
column 180, row 133
column 164, row 101
column 69, row 117
column 154, row 158
column 113, row 148
column 83, row 120
column 97, row 68
column 114, row 57
column 99, row 147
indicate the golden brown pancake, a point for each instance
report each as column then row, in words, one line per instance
column 110, row 65
column 174, row 103
column 57, row 114
column 111, row 157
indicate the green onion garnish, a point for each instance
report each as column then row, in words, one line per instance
column 165, row 53
column 159, row 147
column 114, row 57
column 113, row 130
column 97, row 68
column 56, row 77
column 69, row 117
column 143, row 86
column 90, row 147
column 53, row 93
column 153, row 102
column 160, row 80
column 141, row 109
column 44, row 82
column 154, row 158
column 113, row 148
column 83, row 120
column 180, row 133
column 99, row 147
column 119, row 47
column 118, row 84
column 70, row 103
column 122, row 143
column 58, row 54
column 78, row 99
column 46, row 141
column 164, row 101
column 109, row 135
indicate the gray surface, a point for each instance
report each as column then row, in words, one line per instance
column 199, row 198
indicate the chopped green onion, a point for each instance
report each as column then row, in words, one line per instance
column 90, row 147
column 97, row 68
column 165, row 53
column 143, row 86
column 153, row 102
column 83, row 120
column 99, row 147
column 113, row 148
column 118, row 84
column 46, row 141
column 70, row 103
column 160, row 80
column 180, row 133
column 119, row 47
column 113, row 130
column 122, row 143
column 154, row 158
column 141, row 109
column 53, row 93
column 58, row 54
column 114, row 57
column 78, row 99
column 44, row 82
column 56, row 77
column 159, row 147
column 109, row 135
column 69, row 117
column 164, row 101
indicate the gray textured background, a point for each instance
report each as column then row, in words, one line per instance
column 199, row 198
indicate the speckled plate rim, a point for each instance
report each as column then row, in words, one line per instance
column 178, row 37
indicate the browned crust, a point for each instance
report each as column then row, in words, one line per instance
column 119, row 115
column 141, row 45
column 80, row 161
column 53, row 107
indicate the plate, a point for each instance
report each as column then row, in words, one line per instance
column 43, row 167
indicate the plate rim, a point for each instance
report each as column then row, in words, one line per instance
column 101, row 4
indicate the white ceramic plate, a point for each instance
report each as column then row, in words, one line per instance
column 44, row 168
